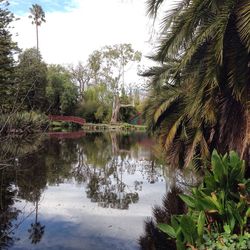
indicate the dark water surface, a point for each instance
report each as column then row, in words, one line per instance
column 79, row 191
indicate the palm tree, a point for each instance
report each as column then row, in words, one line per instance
column 200, row 97
column 38, row 16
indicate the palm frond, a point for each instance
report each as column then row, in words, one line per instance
column 191, row 149
column 243, row 22
column 153, row 7
column 172, row 133
column 163, row 107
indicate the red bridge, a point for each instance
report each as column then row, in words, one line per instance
column 62, row 118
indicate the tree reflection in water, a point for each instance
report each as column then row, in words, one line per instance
column 20, row 178
column 103, row 165
column 102, row 162
column 12, row 150
column 8, row 213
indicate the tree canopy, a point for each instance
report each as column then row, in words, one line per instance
column 7, row 50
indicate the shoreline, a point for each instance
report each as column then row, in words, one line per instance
column 112, row 127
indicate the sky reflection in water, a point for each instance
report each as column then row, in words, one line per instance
column 93, row 192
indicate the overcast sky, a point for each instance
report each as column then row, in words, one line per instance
column 75, row 28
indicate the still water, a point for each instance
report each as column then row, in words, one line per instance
column 79, row 191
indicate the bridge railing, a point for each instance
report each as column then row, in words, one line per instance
column 67, row 119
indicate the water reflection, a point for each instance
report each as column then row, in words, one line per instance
column 8, row 213
column 111, row 169
column 19, row 179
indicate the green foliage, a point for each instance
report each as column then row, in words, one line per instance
column 68, row 98
column 126, row 112
column 32, row 78
column 7, row 49
column 225, row 241
column 23, row 123
column 59, row 126
column 108, row 66
column 61, row 92
column 219, row 205
column 96, row 104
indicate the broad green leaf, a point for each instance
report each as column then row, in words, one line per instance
column 188, row 228
column 167, row 229
column 227, row 229
column 218, row 167
column 174, row 222
column 248, row 213
column 215, row 203
column 190, row 201
column 180, row 245
column 234, row 159
column 201, row 223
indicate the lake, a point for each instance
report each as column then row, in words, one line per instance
column 79, row 190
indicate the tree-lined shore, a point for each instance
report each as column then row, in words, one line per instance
column 95, row 90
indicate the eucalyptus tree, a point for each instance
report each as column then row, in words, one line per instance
column 109, row 66
column 200, row 88
column 38, row 17
column 80, row 75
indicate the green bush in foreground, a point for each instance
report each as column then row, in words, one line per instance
column 226, row 241
column 217, row 210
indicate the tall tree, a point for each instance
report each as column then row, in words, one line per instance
column 200, row 90
column 32, row 78
column 80, row 76
column 7, row 50
column 61, row 92
column 38, row 16
column 109, row 66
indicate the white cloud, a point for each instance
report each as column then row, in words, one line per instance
column 69, row 37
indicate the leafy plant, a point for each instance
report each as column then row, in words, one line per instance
column 219, row 205
column 226, row 241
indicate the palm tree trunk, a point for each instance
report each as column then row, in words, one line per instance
column 247, row 149
column 246, row 146
column 37, row 45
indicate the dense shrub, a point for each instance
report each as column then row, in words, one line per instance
column 23, row 123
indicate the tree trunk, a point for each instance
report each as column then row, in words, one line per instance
column 115, row 109
column 37, row 45
column 246, row 147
